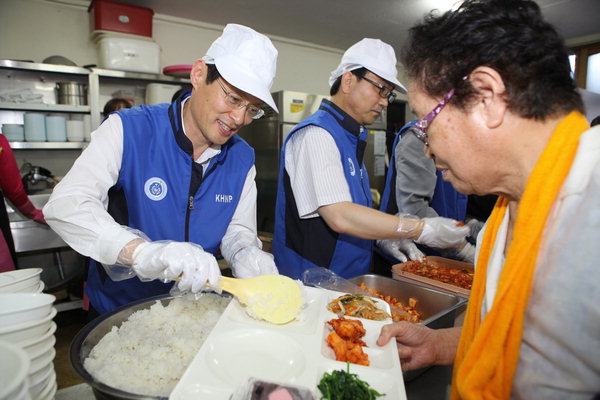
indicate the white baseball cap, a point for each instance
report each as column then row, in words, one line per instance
column 374, row 55
column 246, row 59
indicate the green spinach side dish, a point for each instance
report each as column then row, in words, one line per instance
column 342, row 385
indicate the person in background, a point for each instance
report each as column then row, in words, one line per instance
column 115, row 104
column 11, row 186
column 323, row 210
column 499, row 113
column 186, row 178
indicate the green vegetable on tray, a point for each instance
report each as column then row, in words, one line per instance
column 350, row 298
column 342, row 385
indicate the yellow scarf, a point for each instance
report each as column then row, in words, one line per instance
column 488, row 351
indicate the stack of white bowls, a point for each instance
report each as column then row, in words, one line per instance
column 87, row 127
column 13, row 132
column 25, row 280
column 56, row 128
column 26, row 323
column 13, row 372
column 34, row 125
column 75, row 130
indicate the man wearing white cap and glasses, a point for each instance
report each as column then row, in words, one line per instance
column 323, row 213
column 181, row 182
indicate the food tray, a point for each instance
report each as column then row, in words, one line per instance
column 296, row 353
column 398, row 273
column 437, row 308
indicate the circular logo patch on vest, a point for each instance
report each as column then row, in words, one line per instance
column 155, row 188
column 351, row 166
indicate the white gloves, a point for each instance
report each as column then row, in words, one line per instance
column 401, row 249
column 467, row 253
column 252, row 261
column 475, row 226
column 442, row 233
column 167, row 260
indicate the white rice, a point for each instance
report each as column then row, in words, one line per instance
column 150, row 352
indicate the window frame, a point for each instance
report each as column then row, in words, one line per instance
column 582, row 53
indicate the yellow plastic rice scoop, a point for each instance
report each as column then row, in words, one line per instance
column 274, row 298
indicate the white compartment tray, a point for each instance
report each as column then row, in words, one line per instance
column 296, row 353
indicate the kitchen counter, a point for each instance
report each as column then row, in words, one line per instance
column 433, row 384
column 29, row 235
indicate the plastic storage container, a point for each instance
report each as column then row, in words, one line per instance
column 157, row 93
column 126, row 54
column 119, row 17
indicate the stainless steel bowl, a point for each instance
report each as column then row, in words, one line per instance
column 90, row 335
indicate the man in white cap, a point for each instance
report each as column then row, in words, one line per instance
column 323, row 214
column 179, row 180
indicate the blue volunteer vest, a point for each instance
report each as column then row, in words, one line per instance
column 165, row 194
column 446, row 201
column 300, row 244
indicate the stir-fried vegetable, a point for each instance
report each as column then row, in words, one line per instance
column 342, row 385
column 357, row 305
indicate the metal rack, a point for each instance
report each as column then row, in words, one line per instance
column 47, row 145
column 23, row 74
column 31, row 238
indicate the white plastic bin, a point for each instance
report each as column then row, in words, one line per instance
column 127, row 54
column 160, row 92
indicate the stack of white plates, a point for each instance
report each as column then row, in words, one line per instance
column 25, row 280
column 13, row 372
column 26, row 321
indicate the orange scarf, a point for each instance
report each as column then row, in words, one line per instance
column 488, row 351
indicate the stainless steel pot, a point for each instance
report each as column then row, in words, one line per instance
column 73, row 93
column 36, row 179
column 90, row 335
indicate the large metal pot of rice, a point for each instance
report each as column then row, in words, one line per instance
column 89, row 336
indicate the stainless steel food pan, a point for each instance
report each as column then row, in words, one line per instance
column 436, row 307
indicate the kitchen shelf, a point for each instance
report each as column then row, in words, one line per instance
column 44, row 107
column 27, row 75
column 110, row 73
column 41, row 67
column 47, row 145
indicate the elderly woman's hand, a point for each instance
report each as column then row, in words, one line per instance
column 420, row 346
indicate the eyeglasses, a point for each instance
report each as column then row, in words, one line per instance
column 236, row 102
column 384, row 91
column 420, row 128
